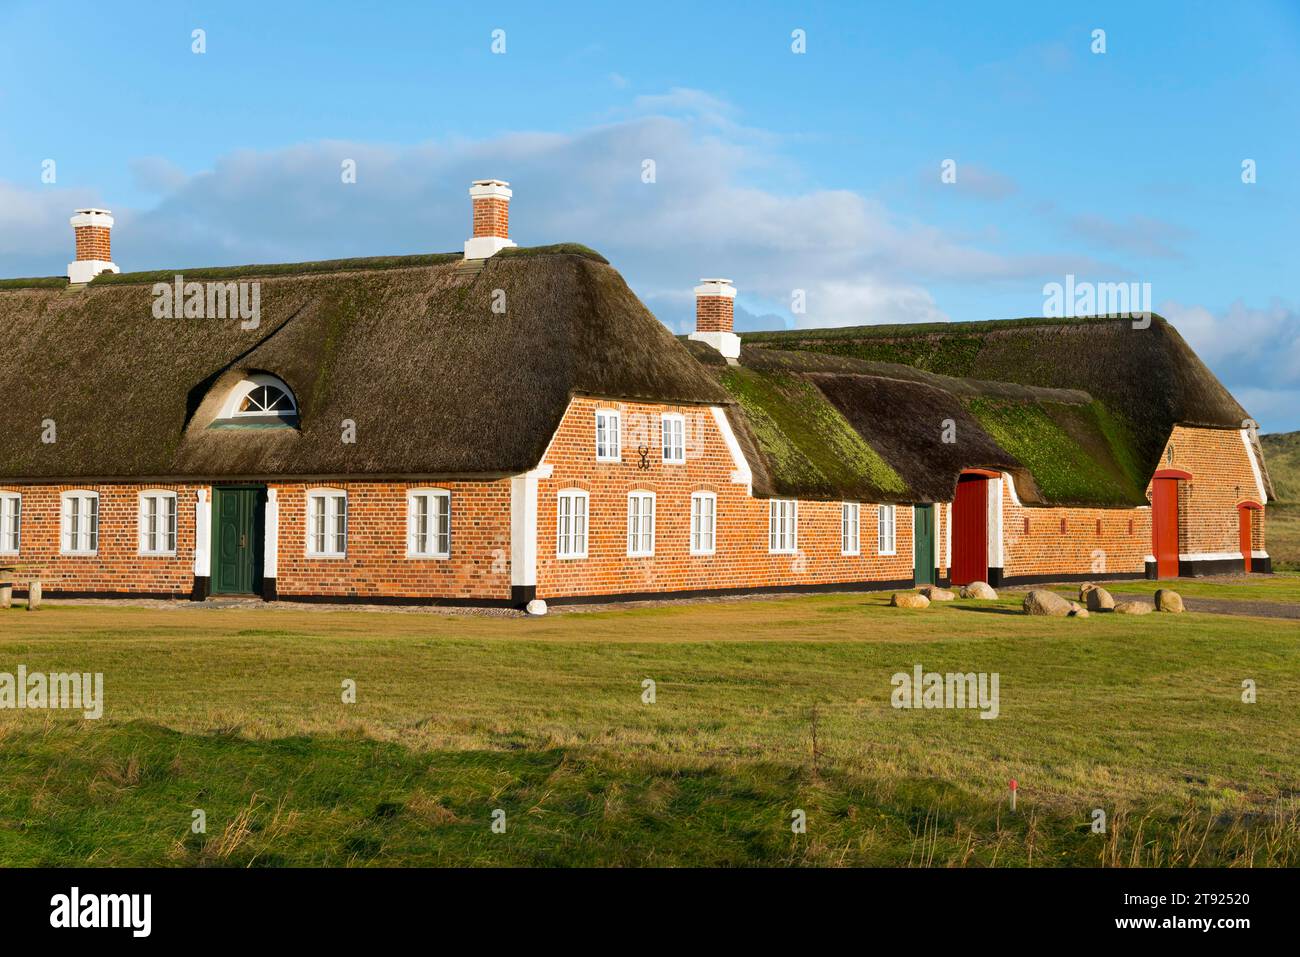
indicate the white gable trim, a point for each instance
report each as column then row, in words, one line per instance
column 1254, row 466
column 742, row 475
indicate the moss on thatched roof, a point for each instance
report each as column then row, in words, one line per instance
column 38, row 282
column 412, row 352
column 1135, row 384
column 266, row 270
column 811, row 450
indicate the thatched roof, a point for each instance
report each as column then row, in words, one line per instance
column 409, row 349
column 439, row 384
column 1078, row 411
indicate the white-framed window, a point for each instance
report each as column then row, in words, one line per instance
column 327, row 523
column 11, row 521
column 428, row 523
column 782, row 526
column 157, row 523
column 850, row 539
column 887, row 529
column 640, row 524
column 704, row 523
column 79, row 531
column 673, row 427
column 571, row 523
column 608, row 436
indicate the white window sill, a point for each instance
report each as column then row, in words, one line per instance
column 328, row 555
column 94, row 554
column 703, row 554
column 571, row 558
column 609, row 461
column 427, row 556
column 783, row 551
column 14, row 554
column 640, row 554
column 857, row 553
column 888, row 554
column 674, row 461
column 156, row 554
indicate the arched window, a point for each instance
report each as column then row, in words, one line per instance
column 258, row 401
column 266, row 400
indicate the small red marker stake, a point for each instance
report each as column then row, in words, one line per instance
column 1014, row 785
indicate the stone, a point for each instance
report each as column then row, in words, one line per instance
column 978, row 590
column 1084, row 589
column 34, row 595
column 1098, row 599
column 1077, row 610
column 905, row 599
column 6, row 596
column 1042, row 602
column 1132, row 608
column 536, row 607
column 1167, row 600
column 935, row 593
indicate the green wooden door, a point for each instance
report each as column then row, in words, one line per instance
column 924, row 548
column 237, row 518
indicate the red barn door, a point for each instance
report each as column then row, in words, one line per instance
column 970, row 537
column 1244, row 516
column 1164, row 526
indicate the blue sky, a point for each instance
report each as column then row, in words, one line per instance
column 817, row 171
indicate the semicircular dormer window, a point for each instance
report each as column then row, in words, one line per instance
column 266, row 400
column 259, row 401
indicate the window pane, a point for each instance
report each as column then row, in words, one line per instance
column 444, row 524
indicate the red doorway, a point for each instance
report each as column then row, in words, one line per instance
column 1164, row 521
column 1245, row 523
column 970, row 536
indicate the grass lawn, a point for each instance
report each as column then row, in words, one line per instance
column 238, row 713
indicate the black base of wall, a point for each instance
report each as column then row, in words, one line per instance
column 269, row 592
column 202, row 585
column 1262, row 565
column 995, row 578
column 398, row 601
column 521, row 595
column 48, row 594
column 1047, row 579
column 1210, row 566
column 733, row 592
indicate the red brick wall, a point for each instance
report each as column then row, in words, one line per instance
column 492, row 217
column 376, row 563
column 1221, row 480
column 118, row 566
column 741, row 559
column 714, row 313
column 1096, row 541
column 94, row 242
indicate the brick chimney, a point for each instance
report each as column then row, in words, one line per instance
column 491, row 200
column 715, row 304
column 94, row 230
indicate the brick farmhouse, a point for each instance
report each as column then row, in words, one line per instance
column 508, row 424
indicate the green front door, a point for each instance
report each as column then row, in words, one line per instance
column 923, row 529
column 237, row 521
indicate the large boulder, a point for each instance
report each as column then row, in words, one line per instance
column 1167, row 600
column 978, row 590
column 1042, row 602
column 536, row 608
column 33, row 594
column 1098, row 599
column 1132, row 608
column 935, row 593
column 907, row 599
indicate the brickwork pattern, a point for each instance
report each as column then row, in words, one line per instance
column 492, row 217
column 94, row 242
column 714, row 313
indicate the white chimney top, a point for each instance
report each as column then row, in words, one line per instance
column 93, row 230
